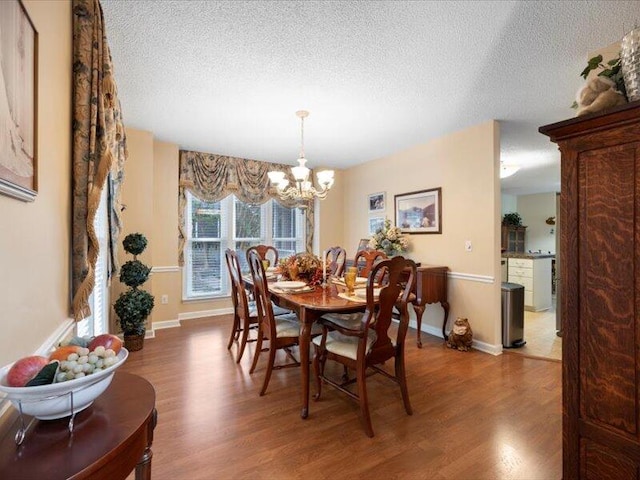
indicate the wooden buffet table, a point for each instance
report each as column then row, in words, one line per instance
column 431, row 287
column 110, row 438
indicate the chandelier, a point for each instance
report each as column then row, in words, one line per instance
column 303, row 190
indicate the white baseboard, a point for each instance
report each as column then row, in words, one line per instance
column 165, row 324
column 205, row 313
column 477, row 344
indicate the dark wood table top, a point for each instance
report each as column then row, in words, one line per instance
column 321, row 300
column 108, row 440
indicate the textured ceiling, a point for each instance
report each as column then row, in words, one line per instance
column 377, row 77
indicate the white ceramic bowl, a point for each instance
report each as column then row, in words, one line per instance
column 289, row 285
column 48, row 402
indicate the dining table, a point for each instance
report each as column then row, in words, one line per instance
column 309, row 306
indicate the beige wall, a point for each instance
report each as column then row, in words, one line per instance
column 465, row 165
column 535, row 209
column 35, row 238
column 329, row 219
column 137, row 196
column 150, row 192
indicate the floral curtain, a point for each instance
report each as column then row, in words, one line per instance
column 213, row 177
column 99, row 149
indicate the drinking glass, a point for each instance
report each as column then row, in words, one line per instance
column 350, row 282
column 265, row 264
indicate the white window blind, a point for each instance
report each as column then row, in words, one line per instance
column 212, row 227
column 98, row 322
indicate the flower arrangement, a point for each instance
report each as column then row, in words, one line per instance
column 302, row 266
column 389, row 239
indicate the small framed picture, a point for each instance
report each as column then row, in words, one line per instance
column 377, row 202
column 363, row 244
column 419, row 212
column 375, row 223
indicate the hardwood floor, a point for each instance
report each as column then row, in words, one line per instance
column 476, row 416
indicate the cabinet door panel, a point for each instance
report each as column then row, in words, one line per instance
column 606, row 245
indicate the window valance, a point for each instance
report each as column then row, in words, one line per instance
column 212, row 177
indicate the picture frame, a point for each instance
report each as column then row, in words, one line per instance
column 363, row 244
column 375, row 223
column 377, row 202
column 420, row 211
column 18, row 102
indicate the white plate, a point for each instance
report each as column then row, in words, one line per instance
column 289, row 285
column 272, row 269
column 362, row 292
column 48, row 402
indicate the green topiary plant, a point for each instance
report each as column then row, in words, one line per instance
column 134, row 306
column 512, row 219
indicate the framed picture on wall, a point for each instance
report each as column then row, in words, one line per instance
column 377, row 202
column 375, row 223
column 18, row 102
column 419, row 212
column 363, row 244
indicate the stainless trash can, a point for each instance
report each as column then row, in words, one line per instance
column 512, row 315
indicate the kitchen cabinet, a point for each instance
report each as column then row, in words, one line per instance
column 535, row 275
column 513, row 238
column 599, row 281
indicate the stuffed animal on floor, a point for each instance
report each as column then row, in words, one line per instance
column 598, row 94
column 461, row 335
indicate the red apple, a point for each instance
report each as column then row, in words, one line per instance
column 24, row 370
column 108, row 341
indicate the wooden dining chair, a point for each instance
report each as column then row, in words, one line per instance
column 282, row 332
column 266, row 252
column 336, row 259
column 366, row 259
column 245, row 315
column 369, row 345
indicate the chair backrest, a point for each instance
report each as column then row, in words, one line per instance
column 238, row 292
column 366, row 259
column 399, row 273
column 336, row 258
column 266, row 252
column 261, row 294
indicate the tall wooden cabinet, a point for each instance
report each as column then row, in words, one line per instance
column 600, row 281
column 513, row 238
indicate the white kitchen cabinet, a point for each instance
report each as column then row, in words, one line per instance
column 535, row 275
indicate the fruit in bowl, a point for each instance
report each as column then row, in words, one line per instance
column 53, row 400
column 25, row 369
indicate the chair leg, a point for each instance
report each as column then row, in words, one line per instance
column 362, row 397
column 267, row 375
column 243, row 342
column 402, row 380
column 317, row 371
column 345, row 374
column 234, row 331
column 258, row 350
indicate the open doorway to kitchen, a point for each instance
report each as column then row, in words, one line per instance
column 535, row 267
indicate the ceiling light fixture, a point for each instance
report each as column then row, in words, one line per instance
column 303, row 191
column 508, row 170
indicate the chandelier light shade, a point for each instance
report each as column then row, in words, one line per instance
column 507, row 170
column 303, row 190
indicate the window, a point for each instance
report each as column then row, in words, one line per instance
column 98, row 322
column 212, row 227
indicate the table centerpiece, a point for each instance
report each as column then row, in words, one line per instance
column 305, row 267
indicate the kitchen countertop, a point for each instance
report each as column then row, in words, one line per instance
column 532, row 256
